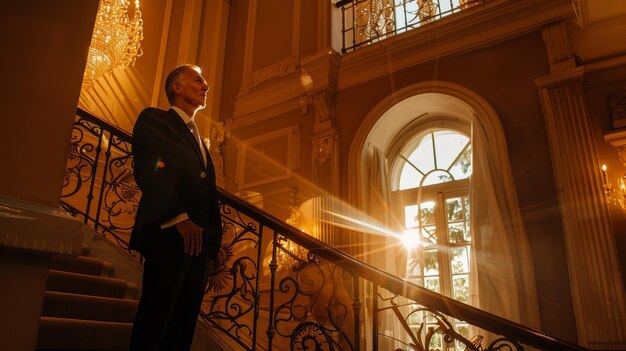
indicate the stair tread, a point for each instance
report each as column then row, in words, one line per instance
column 84, row 276
column 89, row 285
column 89, row 307
column 76, row 334
column 82, row 264
column 90, row 297
column 56, row 320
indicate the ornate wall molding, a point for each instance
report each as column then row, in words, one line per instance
column 292, row 91
column 255, row 167
column 324, row 145
column 251, row 77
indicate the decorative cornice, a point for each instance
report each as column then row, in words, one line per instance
column 575, row 74
column 279, row 69
column 477, row 27
column 279, row 94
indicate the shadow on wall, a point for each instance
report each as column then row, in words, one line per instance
column 117, row 97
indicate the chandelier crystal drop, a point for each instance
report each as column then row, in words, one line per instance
column 116, row 40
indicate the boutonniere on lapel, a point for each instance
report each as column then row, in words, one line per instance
column 207, row 143
column 158, row 164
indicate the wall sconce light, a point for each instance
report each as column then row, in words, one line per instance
column 614, row 194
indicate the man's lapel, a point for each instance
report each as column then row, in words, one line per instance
column 184, row 130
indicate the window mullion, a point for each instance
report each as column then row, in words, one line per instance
column 443, row 251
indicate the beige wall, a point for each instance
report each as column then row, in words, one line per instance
column 44, row 48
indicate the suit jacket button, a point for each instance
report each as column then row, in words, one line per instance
column 203, row 174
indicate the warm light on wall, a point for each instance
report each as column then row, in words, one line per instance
column 116, row 40
column 614, row 194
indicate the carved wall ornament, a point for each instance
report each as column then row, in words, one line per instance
column 323, row 148
column 323, row 107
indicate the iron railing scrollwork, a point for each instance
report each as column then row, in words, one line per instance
column 368, row 21
column 274, row 287
column 98, row 186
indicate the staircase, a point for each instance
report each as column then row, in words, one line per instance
column 86, row 307
column 273, row 287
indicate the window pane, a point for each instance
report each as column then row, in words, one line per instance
column 454, row 209
column 463, row 167
column 415, row 267
column 410, row 216
column 460, row 286
column 459, row 262
column 448, row 145
column 431, row 263
column 456, row 233
column 457, row 213
column 409, row 178
column 432, row 283
column 423, row 156
column 429, row 236
column 427, row 211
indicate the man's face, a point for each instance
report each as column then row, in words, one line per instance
column 191, row 89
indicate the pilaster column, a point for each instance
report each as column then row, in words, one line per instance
column 597, row 287
column 325, row 168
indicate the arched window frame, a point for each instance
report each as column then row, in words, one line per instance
column 520, row 302
column 439, row 194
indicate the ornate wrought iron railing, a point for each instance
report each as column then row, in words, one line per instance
column 366, row 21
column 275, row 287
column 99, row 186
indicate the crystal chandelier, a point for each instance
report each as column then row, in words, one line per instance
column 116, row 40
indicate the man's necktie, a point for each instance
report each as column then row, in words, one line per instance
column 194, row 130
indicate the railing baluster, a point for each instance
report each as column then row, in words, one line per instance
column 356, row 307
column 104, row 184
column 94, row 169
column 259, row 272
column 375, row 316
column 273, row 266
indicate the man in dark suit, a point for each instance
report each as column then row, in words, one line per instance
column 178, row 227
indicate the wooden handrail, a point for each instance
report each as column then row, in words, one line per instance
column 399, row 286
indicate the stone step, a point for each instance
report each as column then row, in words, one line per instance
column 76, row 334
column 82, row 265
column 90, row 285
column 77, row 306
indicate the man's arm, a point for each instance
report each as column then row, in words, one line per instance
column 157, row 171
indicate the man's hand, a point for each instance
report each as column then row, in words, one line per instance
column 192, row 236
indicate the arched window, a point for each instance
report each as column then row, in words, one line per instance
column 412, row 159
column 430, row 186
